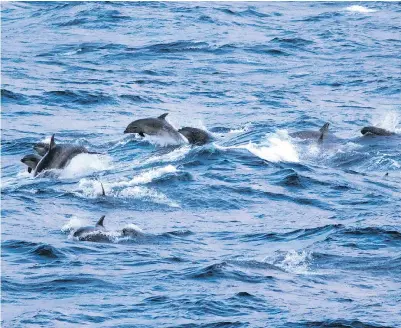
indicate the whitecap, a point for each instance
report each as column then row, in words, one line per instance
column 360, row 9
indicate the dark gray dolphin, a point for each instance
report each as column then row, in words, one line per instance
column 31, row 161
column 58, row 156
column 318, row 135
column 195, row 136
column 81, row 232
column 42, row 148
column 376, row 131
column 155, row 127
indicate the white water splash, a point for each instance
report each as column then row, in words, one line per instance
column 139, row 192
column 164, row 139
column 243, row 129
column 276, row 147
column 388, row 120
column 74, row 224
column 147, row 176
column 85, row 164
column 175, row 155
column 360, row 9
column 92, row 188
column 293, row 261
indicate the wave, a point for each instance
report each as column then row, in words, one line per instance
column 35, row 251
column 336, row 323
column 13, row 97
column 276, row 147
column 80, row 97
column 360, row 9
column 297, row 234
column 224, row 270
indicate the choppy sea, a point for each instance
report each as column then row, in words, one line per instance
column 257, row 228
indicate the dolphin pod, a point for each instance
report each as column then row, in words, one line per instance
column 52, row 156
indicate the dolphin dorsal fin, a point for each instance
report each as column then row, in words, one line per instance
column 324, row 129
column 103, row 192
column 163, row 116
column 52, row 143
column 100, row 222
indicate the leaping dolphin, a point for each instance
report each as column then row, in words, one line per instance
column 58, row 156
column 155, row 127
column 42, row 148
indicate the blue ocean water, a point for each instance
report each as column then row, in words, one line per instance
column 256, row 229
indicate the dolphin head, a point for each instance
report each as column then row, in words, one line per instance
column 31, row 161
column 41, row 148
column 130, row 232
column 135, row 127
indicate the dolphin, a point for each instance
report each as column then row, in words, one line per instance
column 42, row 148
column 376, row 131
column 155, row 127
column 98, row 232
column 319, row 135
column 32, row 161
column 83, row 231
column 195, row 136
column 58, row 156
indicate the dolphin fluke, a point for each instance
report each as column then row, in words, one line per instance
column 100, row 222
column 324, row 130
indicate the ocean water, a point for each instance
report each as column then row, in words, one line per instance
column 257, row 228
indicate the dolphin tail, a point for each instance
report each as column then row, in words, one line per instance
column 324, row 129
column 100, row 222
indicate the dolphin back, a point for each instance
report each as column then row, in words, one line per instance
column 195, row 136
column 376, row 131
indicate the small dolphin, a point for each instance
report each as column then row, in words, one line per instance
column 155, row 127
column 195, row 136
column 58, row 156
column 319, row 135
column 85, row 230
column 376, row 131
column 32, row 161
